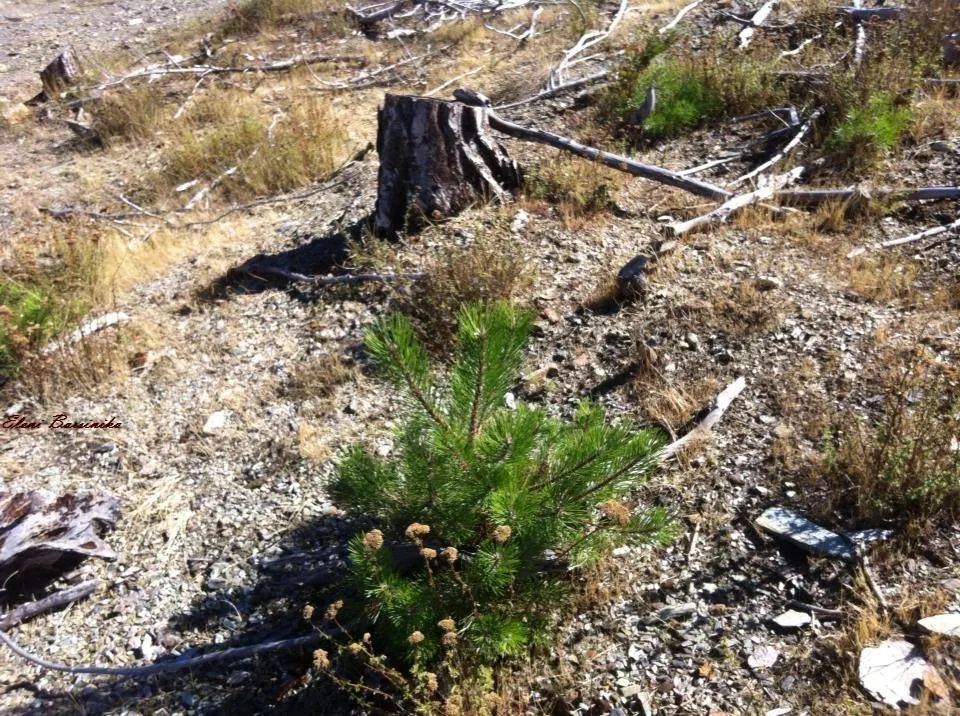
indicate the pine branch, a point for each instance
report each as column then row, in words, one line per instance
column 478, row 388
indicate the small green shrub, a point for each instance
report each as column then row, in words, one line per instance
column 866, row 131
column 906, row 465
column 482, row 506
column 689, row 92
column 28, row 316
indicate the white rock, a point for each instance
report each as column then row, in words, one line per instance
column 888, row 671
column 946, row 624
column 519, row 222
column 216, row 421
column 763, row 657
column 792, row 619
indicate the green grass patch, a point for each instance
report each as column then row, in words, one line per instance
column 30, row 316
column 866, row 131
column 690, row 92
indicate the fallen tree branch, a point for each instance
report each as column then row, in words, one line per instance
column 709, row 165
column 925, row 234
column 615, row 161
column 798, row 137
column 87, row 329
column 735, row 204
column 678, row 17
column 811, row 197
column 449, row 82
column 49, row 603
column 703, row 428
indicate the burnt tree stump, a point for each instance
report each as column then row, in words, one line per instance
column 436, row 158
column 60, row 73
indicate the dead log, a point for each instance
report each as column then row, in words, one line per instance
column 735, row 204
column 436, row 158
column 615, row 161
column 812, row 197
column 61, row 73
column 41, row 536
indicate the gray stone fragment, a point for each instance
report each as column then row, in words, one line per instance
column 888, row 671
column 797, row 529
column 792, row 619
column 946, row 624
column 763, row 657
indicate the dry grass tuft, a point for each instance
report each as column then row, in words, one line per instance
column 671, row 403
column 883, row 278
column 580, row 189
column 319, row 378
column 270, row 155
column 739, row 308
column 901, row 463
column 491, row 268
column 130, row 113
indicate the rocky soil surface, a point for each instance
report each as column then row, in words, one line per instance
column 226, row 531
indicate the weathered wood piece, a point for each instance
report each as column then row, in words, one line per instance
column 42, row 535
column 61, row 73
column 436, row 158
column 703, row 428
column 798, row 137
column 759, row 17
column 921, row 235
column 56, row 600
column 812, row 197
column 735, row 204
column 865, row 13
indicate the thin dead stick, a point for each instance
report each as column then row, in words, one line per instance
column 183, row 105
column 365, row 79
column 449, row 82
column 87, row 329
column 679, row 16
column 925, row 234
column 759, row 17
column 232, row 654
column 693, row 540
column 735, row 204
column 586, row 41
column 709, row 165
column 799, row 48
column 546, row 94
column 658, row 174
column 815, row 609
column 49, row 603
column 860, row 44
column 798, row 137
column 871, row 582
column 720, row 405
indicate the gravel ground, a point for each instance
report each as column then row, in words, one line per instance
column 226, row 531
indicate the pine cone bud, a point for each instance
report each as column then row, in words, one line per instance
column 416, row 530
column 308, row 612
column 447, row 624
column 449, row 639
column 373, row 540
column 502, row 534
column 320, row 659
column 334, row 609
column 428, row 553
column 415, row 638
column 616, row 511
column 450, row 554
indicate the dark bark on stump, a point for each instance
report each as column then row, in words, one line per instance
column 436, row 159
column 61, row 73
